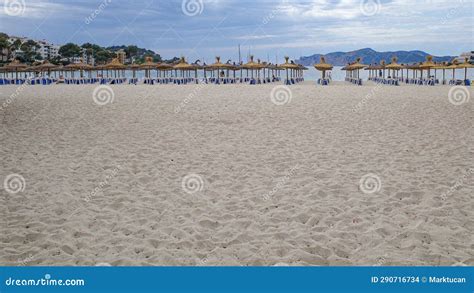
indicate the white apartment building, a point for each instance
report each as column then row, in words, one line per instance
column 85, row 58
column 12, row 39
column 88, row 58
column 47, row 50
column 468, row 55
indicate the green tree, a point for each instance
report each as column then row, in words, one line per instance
column 4, row 45
column 131, row 51
column 57, row 60
column 92, row 47
column 103, row 56
column 29, row 49
column 15, row 45
column 70, row 50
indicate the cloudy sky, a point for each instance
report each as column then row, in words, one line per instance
column 205, row 28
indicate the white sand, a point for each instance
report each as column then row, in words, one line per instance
column 280, row 184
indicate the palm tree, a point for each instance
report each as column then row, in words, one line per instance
column 4, row 45
column 13, row 47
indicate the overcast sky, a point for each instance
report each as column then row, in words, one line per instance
column 205, row 28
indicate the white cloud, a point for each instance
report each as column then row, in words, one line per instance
column 35, row 8
column 254, row 37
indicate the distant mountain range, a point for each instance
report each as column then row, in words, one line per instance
column 370, row 56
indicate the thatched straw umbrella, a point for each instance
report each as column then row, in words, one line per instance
column 379, row 68
column 372, row 68
column 261, row 67
column 405, row 66
column 183, row 66
column 382, row 67
column 59, row 68
column 70, row 67
column 414, row 68
column 357, row 66
column 134, row 67
column 435, row 68
column 442, row 66
column 100, row 68
column 234, row 67
column 465, row 65
column 46, row 67
column 323, row 66
column 301, row 69
column 252, row 65
column 148, row 65
column 401, row 69
column 453, row 66
column 274, row 69
column 81, row 66
column 428, row 64
column 196, row 67
column 394, row 66
column 265, row 69
column 346, row 69
column 164, row 67
column 218, row 65
column 288, row 66
column 115, row 65
column 16, row 66
column 3, row 70
column 204, row 67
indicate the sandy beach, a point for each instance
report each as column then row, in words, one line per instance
column 226, row 175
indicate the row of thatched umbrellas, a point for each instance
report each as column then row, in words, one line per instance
column 353, row 69
column 185, row 69
column 394, row 67
column 292, row 69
